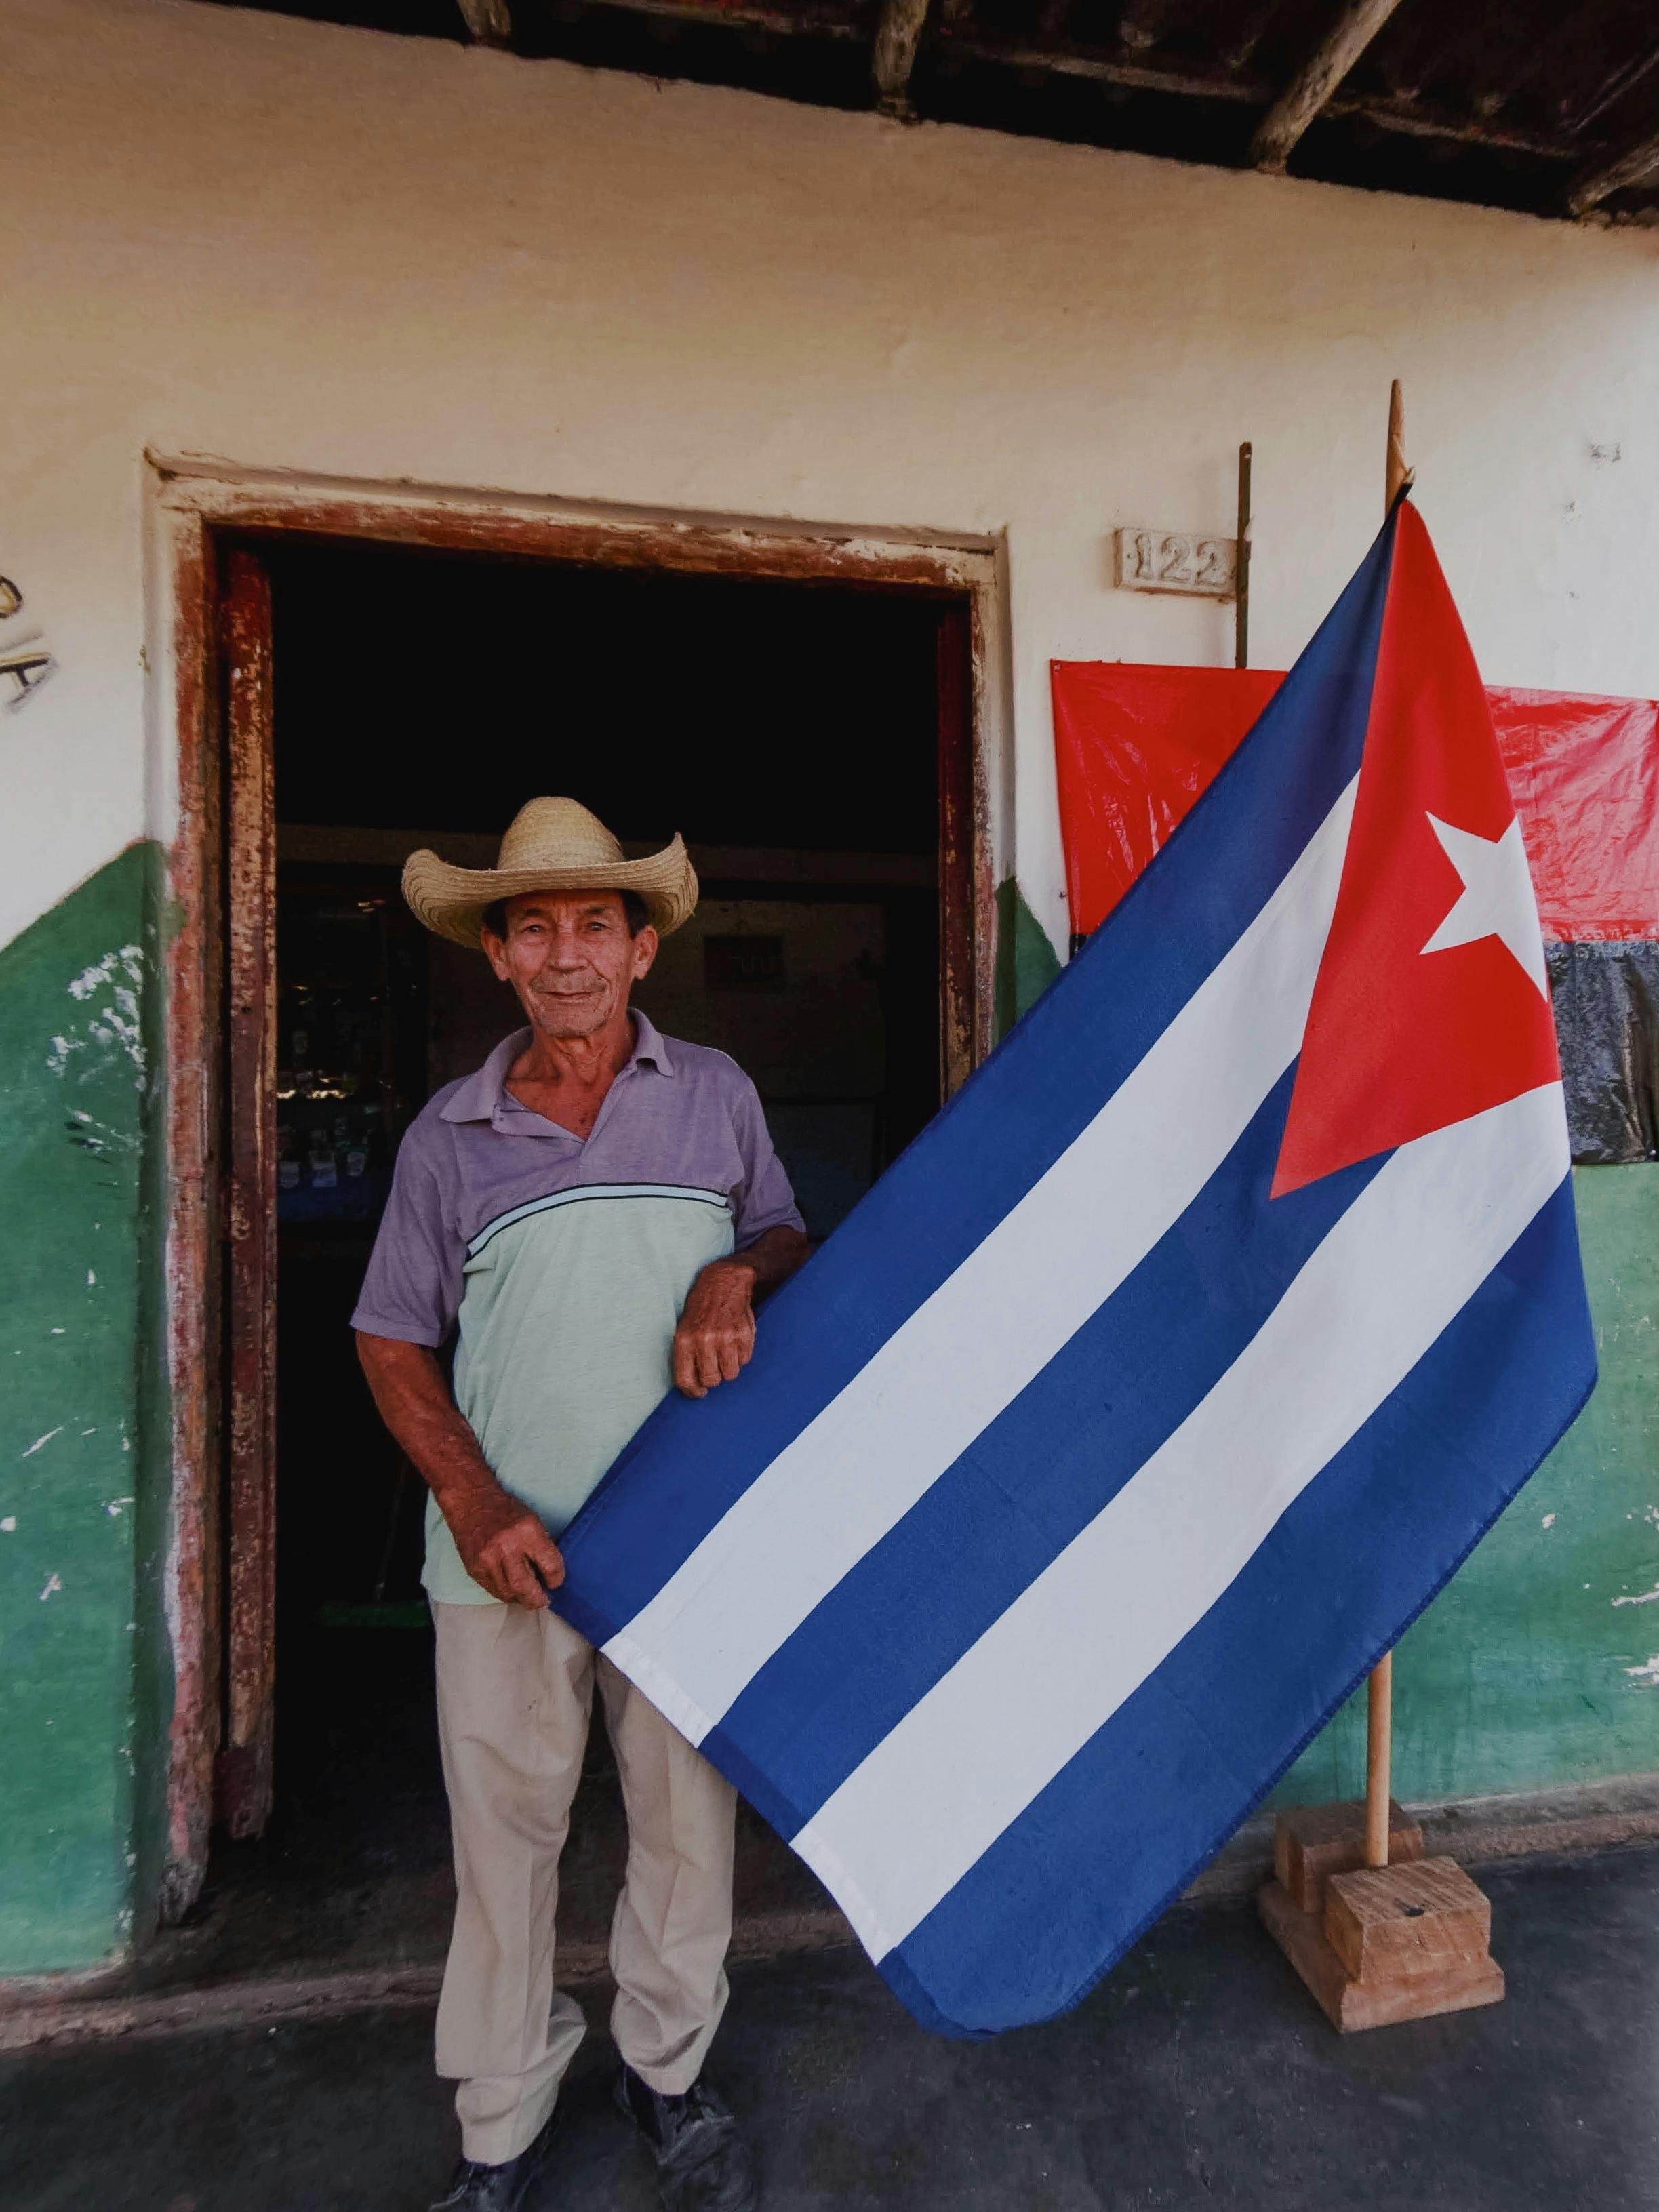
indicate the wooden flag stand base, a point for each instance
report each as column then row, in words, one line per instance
column 1376, row 1944
column 1377, row 1932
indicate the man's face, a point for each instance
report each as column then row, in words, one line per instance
column 570, row 956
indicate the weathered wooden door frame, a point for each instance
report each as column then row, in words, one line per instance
column 211, row 669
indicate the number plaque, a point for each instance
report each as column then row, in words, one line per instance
column 1177, row 561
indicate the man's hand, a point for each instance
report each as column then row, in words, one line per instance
column 504, row 1547
column 716, row 1332
column 503, row 1544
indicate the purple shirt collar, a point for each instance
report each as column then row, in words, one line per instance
column 479, row 1098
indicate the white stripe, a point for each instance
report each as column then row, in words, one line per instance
column 574, row 1192
column 946, row 1373
column 969, row 1756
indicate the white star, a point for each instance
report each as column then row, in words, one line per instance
column 1497, row 898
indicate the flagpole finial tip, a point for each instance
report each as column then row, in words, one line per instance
column 1398, row 476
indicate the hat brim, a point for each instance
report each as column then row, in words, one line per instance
column 453, row 902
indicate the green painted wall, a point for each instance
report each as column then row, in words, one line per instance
column 83, row 1505
column 1026, row 964
column 1539, row 1663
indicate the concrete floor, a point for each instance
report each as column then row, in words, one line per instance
column 1197, row 2076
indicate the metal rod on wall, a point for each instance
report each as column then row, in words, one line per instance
column 1241, row 564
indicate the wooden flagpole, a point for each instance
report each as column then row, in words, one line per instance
column 1379, row 1708
column 1398, row 473
column 1379, row 1750
column 1378, row 1931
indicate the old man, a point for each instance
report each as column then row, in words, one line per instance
column 594, row 1213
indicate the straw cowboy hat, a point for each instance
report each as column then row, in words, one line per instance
column 551, row 845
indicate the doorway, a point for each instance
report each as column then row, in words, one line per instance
column 810, row 734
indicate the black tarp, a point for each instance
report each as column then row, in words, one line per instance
column 1606, row 1017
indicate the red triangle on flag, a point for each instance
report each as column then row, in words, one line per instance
column 1432, row 1001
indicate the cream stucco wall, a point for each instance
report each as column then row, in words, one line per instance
column 303, row 247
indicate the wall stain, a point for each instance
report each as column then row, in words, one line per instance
column 26, row 659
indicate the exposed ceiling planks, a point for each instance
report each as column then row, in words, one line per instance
column 1547, row 105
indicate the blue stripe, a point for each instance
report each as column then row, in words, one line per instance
column 1031, row 1482
column 1004, row 1127
column 1120, row 1832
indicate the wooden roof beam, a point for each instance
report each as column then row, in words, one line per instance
column 1611, row 92
column 1603, row 178
column 489, row 22
column 773, row 17
column 1416, row 121
column 899, row 34
column 1130, row 76
column 1282, row 127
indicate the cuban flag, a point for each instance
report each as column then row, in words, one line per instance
column 1140, row 1406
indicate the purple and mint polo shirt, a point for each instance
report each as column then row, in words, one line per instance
column 565, row 1260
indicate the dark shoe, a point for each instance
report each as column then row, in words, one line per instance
column 703, row 2162
column 475, row 2187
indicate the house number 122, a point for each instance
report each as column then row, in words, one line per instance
column 1176, row 561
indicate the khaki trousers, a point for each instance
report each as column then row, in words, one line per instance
column 514, row 1692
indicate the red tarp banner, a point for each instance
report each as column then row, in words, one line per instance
column 1136, row 745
